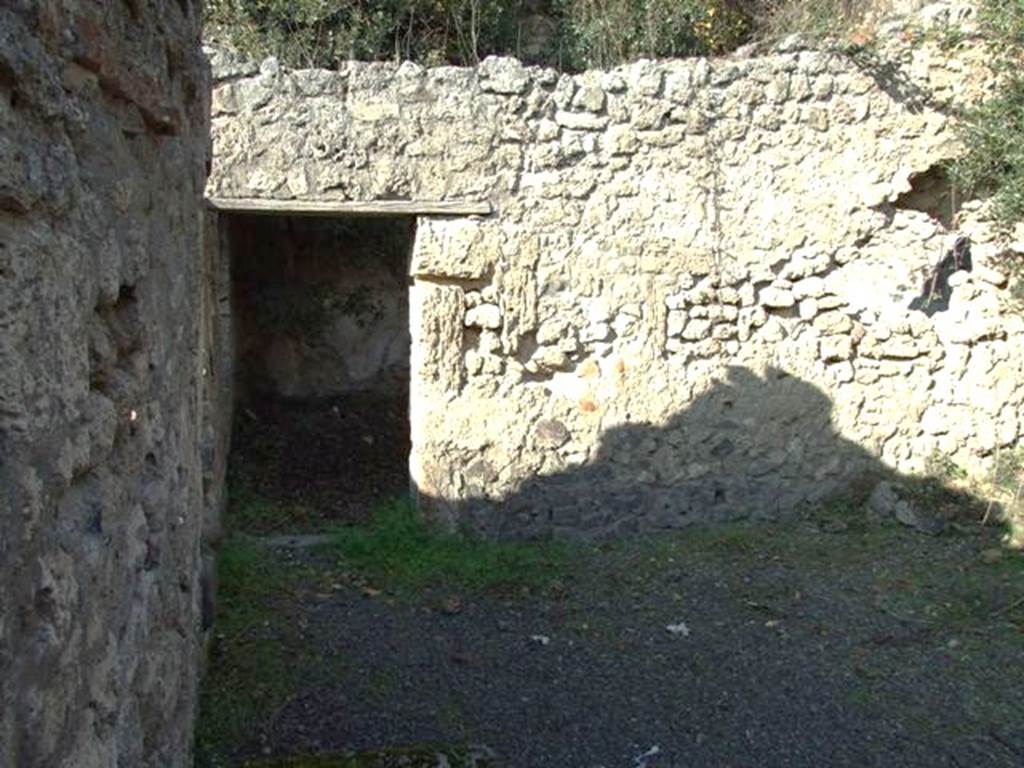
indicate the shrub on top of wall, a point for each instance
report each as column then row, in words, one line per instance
column 567, row 34
column 322, row 33
column 602, row 33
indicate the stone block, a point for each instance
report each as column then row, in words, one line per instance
column 776, row 298
column 484, row 316
column 503, row 75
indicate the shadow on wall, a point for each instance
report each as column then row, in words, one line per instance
column 751, row 446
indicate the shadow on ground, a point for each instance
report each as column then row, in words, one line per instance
column 835, row 636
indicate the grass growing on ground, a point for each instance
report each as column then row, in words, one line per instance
column 426, row 757
column 252, row 665
column 259, row 656
column 255, row 514
column 400, row 550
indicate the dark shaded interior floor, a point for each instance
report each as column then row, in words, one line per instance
column 324, row 460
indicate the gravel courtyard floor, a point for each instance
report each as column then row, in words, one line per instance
column 828, row 640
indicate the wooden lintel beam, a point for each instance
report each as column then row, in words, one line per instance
column 349, row 208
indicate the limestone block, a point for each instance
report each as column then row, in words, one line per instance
column 596, row 332
column 808, row 309
column 729, row 295
column 828, row 323
column 774, row 329
column 809, row 288
column 503, row 75
column 436, row 315
column 991, row 276
column 553, row 331
column 900, row 347
column 456, row 248
column 484, row 316
column 676, row 301
column 621, row 140
column 842, row 372
column 551, row 433
column 697, row 329
column 589, row 99
column 776, row 298
column 748, row 295
column 830, row 302
column 581, row 121
column 835, row 348
column 676, row 322
column 549, row 359
column 612, row 83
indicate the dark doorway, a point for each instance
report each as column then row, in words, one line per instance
column 321, row 361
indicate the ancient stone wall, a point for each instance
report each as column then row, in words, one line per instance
column 103, row 152
column 702, row 292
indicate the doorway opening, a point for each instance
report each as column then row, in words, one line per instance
column 320, row 316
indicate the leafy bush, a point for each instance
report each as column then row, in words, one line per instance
column 817, row 18
column 993, row 133
column 321, row 33
column 601, row 33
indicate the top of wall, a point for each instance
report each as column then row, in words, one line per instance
column 387, row 131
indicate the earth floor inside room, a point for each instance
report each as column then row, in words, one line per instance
column 321, row 337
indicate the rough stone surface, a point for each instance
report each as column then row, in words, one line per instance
column 103, row 148
column 704, row 270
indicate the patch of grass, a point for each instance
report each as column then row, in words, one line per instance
column 973, row 596
column 399, row 549
column 993, row 163
column 1008, row 472
column 943, row 468
column 415, row 757
column 249, row 512
column 256, row 654
column 950, row 36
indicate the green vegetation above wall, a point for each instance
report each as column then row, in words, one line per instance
column 568, row 34
column 993, row 133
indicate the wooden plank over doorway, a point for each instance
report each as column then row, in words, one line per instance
column 348, row 208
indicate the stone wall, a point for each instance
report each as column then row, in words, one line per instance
column 103, row 148
column 321, row 304
column 700, row 295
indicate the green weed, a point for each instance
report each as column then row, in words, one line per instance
column 249, row 512
column 399, row 549
column 253, row 659
column 416, row 757
column 993, row 133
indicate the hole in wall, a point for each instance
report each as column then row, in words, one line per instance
column 321, row 350
column 931, row 192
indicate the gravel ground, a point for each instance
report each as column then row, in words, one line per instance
column 797, row 644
